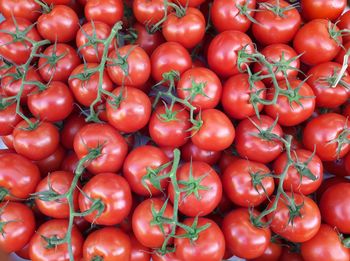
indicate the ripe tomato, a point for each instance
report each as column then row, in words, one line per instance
column 138, row 251
column 227, row 157
column 209, row 245
column 18, row 51
column 258, row 139
column 52, row 162
column 201, row 87
column 115, row 195
column 334, row 206
column 190, row 151
column 208, row 137
column 141, row 168
column 201, row 189
column 224, row 50
column 8, row 141
column 314, row 38
column 344, row 23
column 8, row 119
column 327, row 133
column 294, row 105
column 342, row 52
column 272, row 252
column 71, row 127
column 57, row 62
column 299, row 226
column 148, row 12
column 242, row 237
column 28, row 9
column 39, row 250
column 327, row 183
column 131, row 111
column 17, row 226
column 108, row 243
column 330, row 10
column 325, row 245
column 146, row 227
column 246, row 184
column 60, row 24
column 148, row 41
column 59, row 183
column 106, row 11
column 105, row 139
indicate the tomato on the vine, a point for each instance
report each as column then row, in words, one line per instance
column 106, row 11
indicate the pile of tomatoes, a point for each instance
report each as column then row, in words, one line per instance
column 175, row 130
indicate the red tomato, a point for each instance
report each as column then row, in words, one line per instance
column 71, row 127
column 227, row 157
column 191, row 3
column 327, row 183
column 344, row 23
column 39, row 250
column 202, row 189
column 138, row 251
column 107, row 141
column 28, row 9
column 342, row 52
column 272, row 252
column 108, row 243
column 106, row 11
column 18, row 226
column 8, row 119
column 52, row 162
column 8, row 141
column 24, row 252
column 114, row 194
column 208, row 245
column 315, row 9
column 149, row 12
column 190, row 151
column 246, row 184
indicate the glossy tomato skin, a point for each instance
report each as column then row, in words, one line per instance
column 304, row 227
column 60, row 24
column 325, row 245
column 114, row 192
column 19, row 226
column 130, row 114
column 52, row 162
column 71, row 127
column 38, row 249
column 109, row 243
column 238, row 183
column 147, row 234
column 38, row 143
column 148, row 12
column 8, row 141
column 334, row 206
column 8, row 119
column 327, row 183
column 112, row 145
column 202, row 175
column 190, row 151
column 16, row 52
column 138, row 251
column 344, row 23
column 293, row 181
column 209, row 246
column 146, row 40
column 320, row 131
column 65, row 64
column 27, row 9
column 330, row 10
column 59, row 182
column 106, row 11
column 272, row 252
column 138, row 164
column 208, row 137
column 224, row 49
column 312, row 39
column 242, row 237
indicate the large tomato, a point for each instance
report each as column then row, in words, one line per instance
column 190, row 151
column 272, row 252
column 52, row 162
column 8, row 119
column 314, row 9
column 149, row 12
column 28, row 9
column 106, row 11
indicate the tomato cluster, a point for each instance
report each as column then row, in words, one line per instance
column 175, row 130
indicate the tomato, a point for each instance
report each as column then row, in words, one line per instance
column 57, row 62
column 129, row 112
column 226, row 15
column 187, row 29
column 330, row 10
column 344, row 23
column 325, row 245
column 168, row 126
column 148, row 12
column 191, row 3
column 201, row 87
column 258, row 139
column 71, row 127
column 70, row 162
column 208, row 137
column 113, row 192
column 169, row 56
column 106, row 11
column 84, row 82
column 190, row 151
column 238, row 94
column 8, row 119
column 145, row 227
column 8, row 141
column 294, row 105
column 209, row 245
column 24, row 252
column 288, row 255
column 17, row 51
column 299, row 226
column 86, row 40
column 129, row 65
column 341, row 54
column 28, row 9
column 106, row 140
column 224, row 50
column 138, row 251
column 59, row 182
column 60, row 24
column 141, row 168
column 277, row 22
column 202, row 189
column 314, row 38
column 39, row 250
column 272, row 252
column 108, row 243
column 323, row 133
column 321, row 81
column 227, row 157
column 52, row 162
column 171, row 256
column 334, row 206
column 246, row 184
column 37, row 143
column 327, row 183
column 242, row 237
